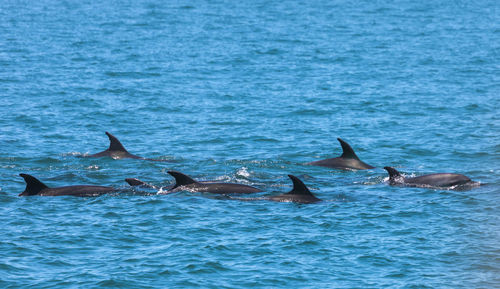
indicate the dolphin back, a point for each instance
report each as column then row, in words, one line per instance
column 348, row 160
column 440, row 180
column 115, row 150
column 299, row 194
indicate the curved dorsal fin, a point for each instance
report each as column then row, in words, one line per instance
column 115, row 144
column 298, row 187
column 181, row 179
column 393, row 173
column 33, row 185
column 135, row 182
column 347, row 151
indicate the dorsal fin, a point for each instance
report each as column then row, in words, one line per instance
column 33, row 185
column 135, row 182
column 347, row 151
column 181, row 179
column 393, row 173
column 115, row 144
column 298, row 187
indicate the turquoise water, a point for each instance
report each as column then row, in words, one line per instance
column 248, row 93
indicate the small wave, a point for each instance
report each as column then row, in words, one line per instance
column 8, row 166
column 460, row 187
column 165, row 191
column 131, row 74
column 243, row 172
column 92, row 167
column 464, row 187
column 74, row 154
column 272, row 51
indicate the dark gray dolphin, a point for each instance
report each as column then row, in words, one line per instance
column 117, row 151
column 348, row 160
column 184, row 182
column 440, row 180
column 299, row 194
column 35, row 187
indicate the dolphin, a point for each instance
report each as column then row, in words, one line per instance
column 347, row 161
column 184, row 182
column 299, row 194
column 117, row 151
column 440, row 180
column 35, row 187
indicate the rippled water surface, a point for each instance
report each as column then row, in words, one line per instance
column 248, row 93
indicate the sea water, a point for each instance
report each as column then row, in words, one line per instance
column 249, row 92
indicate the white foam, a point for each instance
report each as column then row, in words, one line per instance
column 160, row 191
column 243, row 172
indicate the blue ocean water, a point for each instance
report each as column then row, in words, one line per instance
column 249, row 92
